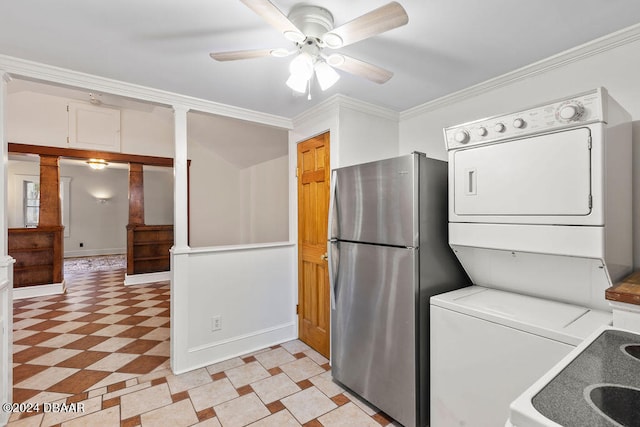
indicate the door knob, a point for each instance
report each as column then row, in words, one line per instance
column 324, row 257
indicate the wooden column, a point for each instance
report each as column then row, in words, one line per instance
column 136, row 194
column 50, row 209
column 50, row 215
column 136, row 210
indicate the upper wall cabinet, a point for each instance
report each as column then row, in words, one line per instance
column 93, row 127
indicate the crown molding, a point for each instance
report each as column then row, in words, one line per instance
column 328, row 106
column 338, row 101
column 368, row 108
column 594, row 47
column 33, row 70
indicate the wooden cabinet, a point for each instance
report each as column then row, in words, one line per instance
column 38, row 253
column 148, row 248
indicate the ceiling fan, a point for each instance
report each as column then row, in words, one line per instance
column 311, row 29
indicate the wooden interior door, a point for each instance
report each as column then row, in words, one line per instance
column 313, row 212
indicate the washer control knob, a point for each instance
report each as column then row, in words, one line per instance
column 570, row 111
column 500, row 127
column 519, row 123
column 462, row 136
column 482, row 131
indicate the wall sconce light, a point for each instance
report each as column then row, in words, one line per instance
column 102, row 201
column 97, row 164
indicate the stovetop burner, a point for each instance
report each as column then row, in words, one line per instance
column 600, row 387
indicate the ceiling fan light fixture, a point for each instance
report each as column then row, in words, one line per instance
column 332, row 40
column 326, row 75
column 297, row 83
column 335, row 60
column 280, row 53
column 302, row 66
column 294, row 36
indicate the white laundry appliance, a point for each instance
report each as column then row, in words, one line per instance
column 540, row 218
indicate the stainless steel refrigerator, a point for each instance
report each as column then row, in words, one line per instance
column 389, row 254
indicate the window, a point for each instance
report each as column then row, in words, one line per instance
column 31, row 205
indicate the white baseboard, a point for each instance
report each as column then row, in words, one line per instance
column 214, row 352
column 39, row 290
column 95, row 252
column 141, row 279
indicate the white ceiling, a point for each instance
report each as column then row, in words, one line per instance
column 165, row 44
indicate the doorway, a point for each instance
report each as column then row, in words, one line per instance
column 313, row 173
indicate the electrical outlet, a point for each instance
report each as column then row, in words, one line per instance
column 81, row 244
column 216, row 323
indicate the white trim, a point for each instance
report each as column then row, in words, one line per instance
column 6, row 261
column 242, row 337
column 95, row 252
column 337, row 101
column 259, row 340
column 230, row 248
column 141, row 279
column 39, row 290
column 34, row 70
column 594, row 47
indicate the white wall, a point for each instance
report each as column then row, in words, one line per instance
column 158, row 195
column 250, row 288
column 101, row 227
column 41, row 119
column 238, row 182
column 616, row 69
column 215, row 199
column 266, row 196
column 366, row 136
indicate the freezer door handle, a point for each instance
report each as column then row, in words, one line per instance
column 331, row 233
column 332, row 270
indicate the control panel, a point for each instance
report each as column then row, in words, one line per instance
column 580, row 109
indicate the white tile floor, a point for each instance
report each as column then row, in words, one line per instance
column 73, row 348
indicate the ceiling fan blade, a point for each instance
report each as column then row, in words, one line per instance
column 377, row 21
column 359, row 68
column 234, row 55
column 274, row 17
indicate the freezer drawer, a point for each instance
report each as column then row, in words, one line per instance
column 377, row 202
column 374, row 325
column 544, row 175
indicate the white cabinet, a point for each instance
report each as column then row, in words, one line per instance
column 626, row 316
column 94, row 127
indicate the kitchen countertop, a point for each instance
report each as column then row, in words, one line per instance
column 626, row 291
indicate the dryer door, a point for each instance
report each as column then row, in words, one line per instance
column 547, row 175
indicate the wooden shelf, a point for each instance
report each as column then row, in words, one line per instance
column 30, row 249
column 151, row 258
column 151, row 242
column 31, row 267
column 148, row 248
column 38, row 254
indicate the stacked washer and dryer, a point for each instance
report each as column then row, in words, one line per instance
column 540, row 216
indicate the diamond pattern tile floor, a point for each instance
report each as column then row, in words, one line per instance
column 111, row 358
column 45, row 345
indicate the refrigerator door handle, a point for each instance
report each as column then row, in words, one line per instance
column 332, row 269
column 332, row 207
